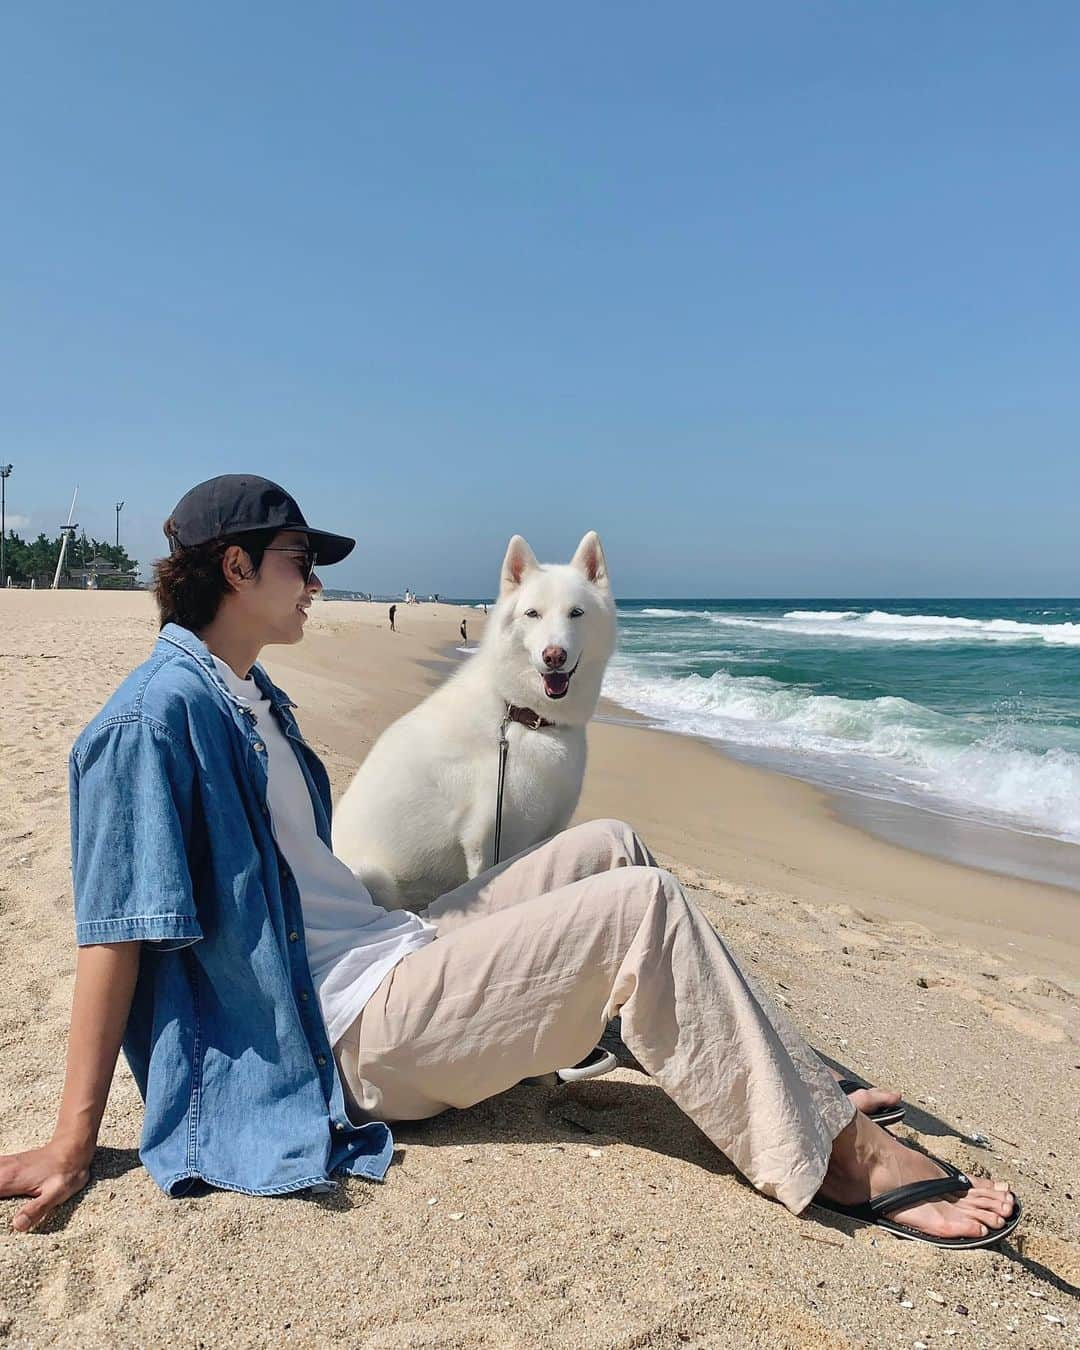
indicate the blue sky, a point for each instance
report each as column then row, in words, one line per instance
column 782, row 299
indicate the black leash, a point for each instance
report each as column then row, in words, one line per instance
column 528, row 717
column 504, row 745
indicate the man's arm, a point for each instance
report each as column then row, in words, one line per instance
column 105, row 978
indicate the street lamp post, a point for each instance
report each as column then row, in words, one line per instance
column 119, row 508
column 5, row 474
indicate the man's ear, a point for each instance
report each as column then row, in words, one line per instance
column 519, row 559
column 590, row 559
column 236, row 567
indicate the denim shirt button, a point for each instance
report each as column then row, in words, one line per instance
column 303, row 995
column 258, row 746
column 294, row 937
column 320, row 1060
column 338, row 1125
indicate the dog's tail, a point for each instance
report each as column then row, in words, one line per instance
column 383, row 887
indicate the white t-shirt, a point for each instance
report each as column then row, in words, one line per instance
column 352, row 943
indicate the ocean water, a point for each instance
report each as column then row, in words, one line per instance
column 964, row 708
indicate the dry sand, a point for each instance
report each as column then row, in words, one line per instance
column 595, row 1215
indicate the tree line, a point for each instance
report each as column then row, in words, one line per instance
column 36, row 559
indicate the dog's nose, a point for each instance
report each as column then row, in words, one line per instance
column 554, row 657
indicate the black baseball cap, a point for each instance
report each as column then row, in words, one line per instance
column 236, row 503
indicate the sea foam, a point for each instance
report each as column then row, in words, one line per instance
column 882, row 626
column 991, row 771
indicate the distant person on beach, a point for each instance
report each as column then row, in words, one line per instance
column 273, row 1016
column 464, row 635
column 393, row 611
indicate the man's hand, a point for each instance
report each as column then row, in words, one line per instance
column 105, row 976
column 50, row 1175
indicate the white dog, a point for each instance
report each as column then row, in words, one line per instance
column 419, row 817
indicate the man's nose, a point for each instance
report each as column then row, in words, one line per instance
column 554, row 657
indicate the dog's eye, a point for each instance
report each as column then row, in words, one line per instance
column 532, row 614
column 576, row 613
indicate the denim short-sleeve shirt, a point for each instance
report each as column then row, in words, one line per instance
column 172, row 846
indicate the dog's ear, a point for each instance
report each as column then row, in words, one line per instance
column 519, row 559
column 590, row 559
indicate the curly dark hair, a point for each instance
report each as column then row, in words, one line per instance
column 189, row 584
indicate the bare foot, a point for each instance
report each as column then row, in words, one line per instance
column 868, row 1161
column 869, row 1099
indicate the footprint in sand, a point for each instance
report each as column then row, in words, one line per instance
column 110, row 1276
column 1031, row 1024
column 1040, row 1026
column 865, row 942
column 915, row 935
column 1040, row 987
column 935, row 981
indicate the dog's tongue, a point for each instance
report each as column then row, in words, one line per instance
column 556, row 683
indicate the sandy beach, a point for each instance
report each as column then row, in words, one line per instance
column 593, row 1215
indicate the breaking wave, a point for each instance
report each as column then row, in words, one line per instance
column 882, row 626
column 995, row 770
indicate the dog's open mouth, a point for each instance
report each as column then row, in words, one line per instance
column 557, row 682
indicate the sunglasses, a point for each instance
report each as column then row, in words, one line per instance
column 305, row 559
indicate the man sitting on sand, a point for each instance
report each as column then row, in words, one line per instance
column 273, row 1016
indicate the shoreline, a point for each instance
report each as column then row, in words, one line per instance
column 756, row 826
column 947, row 727
column 952, row 838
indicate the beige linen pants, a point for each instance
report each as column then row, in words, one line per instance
column 533, row 958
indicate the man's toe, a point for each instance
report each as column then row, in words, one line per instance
column 981, row 1210
column 988, row 1195
column 963, row 1225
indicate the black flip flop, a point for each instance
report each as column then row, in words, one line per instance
column 885, row 1115
column 952, row 1183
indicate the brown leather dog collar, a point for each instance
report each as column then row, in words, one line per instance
column 527, row 718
